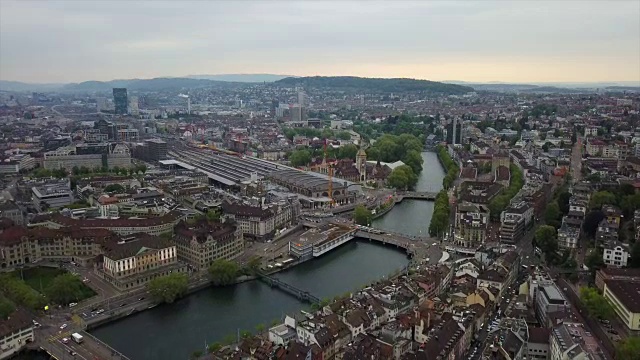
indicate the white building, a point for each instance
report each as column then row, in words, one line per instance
column 15, row 332
column 133, row 106
column 617, row 256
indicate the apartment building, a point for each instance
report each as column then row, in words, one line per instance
column 616, row 254
column 134, row 262
column 471, row 224
column 10, row 210
column 15, row 333
column 205, row 242
column 258, row 222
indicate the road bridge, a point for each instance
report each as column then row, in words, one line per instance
column 416, row 195
column 289, row 289
column 417, row 247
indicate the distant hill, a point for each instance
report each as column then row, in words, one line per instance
column 255, row 78
column 375, row 84
column 156, row 84
column 21, row 86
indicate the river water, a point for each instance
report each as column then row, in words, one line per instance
column 412, row 217
column 175, row 331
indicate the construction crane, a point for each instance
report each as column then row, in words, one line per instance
column 330, row 173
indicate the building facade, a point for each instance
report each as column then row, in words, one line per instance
column 205, row 242
column 121, row 101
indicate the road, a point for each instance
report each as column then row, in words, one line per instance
column 576, row 161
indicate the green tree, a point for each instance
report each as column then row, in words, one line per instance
column 260, row 328
column 19, row 293
column 348, row 152
column 65, row 289
column 552, row 214
column 245, row 334
column 596, row 304
column 223, row 272
column 253, row 265
column 362, row 215
column 114, row 188
column 628, row 349
column 591, row 221
column 563, row 201
column 441, row 214
column 6, row 308
column 300, row 157
column 414, row 159
column 213, row 215
column 343, row 135
column 545, row 237
column 634, row 262
column 214, row 347
column 402, row 178
column 197, row 354
column 75, row 170
column 602, row 198
column 168, row 288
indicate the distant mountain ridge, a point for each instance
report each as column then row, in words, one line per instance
column 375, row 84
column 251, row 78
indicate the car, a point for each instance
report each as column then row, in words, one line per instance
column 65, row 340
column 72, row 353
column 142, row 298
column 85, row 280
column 73, row 304
column 612, row 331
column 63, row 326
column 100, row 311
column 123, row 304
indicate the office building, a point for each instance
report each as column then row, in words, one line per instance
column 549, row 299
column 623, row 296
column 120, row 101
column 133, row 106
column 52, row 195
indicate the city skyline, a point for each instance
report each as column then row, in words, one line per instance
column 504, row 41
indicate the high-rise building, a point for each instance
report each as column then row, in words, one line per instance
column 133, row 105
column 120, row 100
column 301, row 98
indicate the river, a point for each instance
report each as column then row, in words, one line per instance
column 175, row 331
column 412, row 217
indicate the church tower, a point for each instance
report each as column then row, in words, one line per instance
column 361, row 164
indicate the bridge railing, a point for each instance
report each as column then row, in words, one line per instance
column 113, row 351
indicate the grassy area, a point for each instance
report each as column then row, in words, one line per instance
column 39, row 278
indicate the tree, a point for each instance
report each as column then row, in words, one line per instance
column 628, row 349
column 602, row 198
column 75, row 170
column 596, row 304
column 594, row 261
column 65, row 289
column 635, row 255
column 245, row 334
column 213, row 215
column 19, row 293
column 348, row 152
column 552, row 214
column 545, row 238
column 168, row 288
column 223, row 272
column 343, row 135
column 591, row 221
column 563, row 201
column 414, row 160
column 260, row 328
column 253, row 265
column 362, row 215
column 440, row 217
column 546, row 146
column 6, row 308
column 212, row 348
column 300, row 157
column 402, row 178
column 114, row 188
column 197, row 354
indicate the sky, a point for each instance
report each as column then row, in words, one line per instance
column 52, row 41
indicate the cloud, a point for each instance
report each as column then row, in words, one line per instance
column 495, row 40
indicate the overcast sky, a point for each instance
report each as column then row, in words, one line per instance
column 482, row 40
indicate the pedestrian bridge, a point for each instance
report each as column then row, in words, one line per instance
column 289, row 289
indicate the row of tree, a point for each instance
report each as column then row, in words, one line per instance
column 441, row 214
column 449, row 165
column 500, row 202
column 302, row 157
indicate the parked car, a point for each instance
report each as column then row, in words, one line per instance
column 73, row 304
column 63, row 326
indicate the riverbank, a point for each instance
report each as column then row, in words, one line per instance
column 216, row 313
